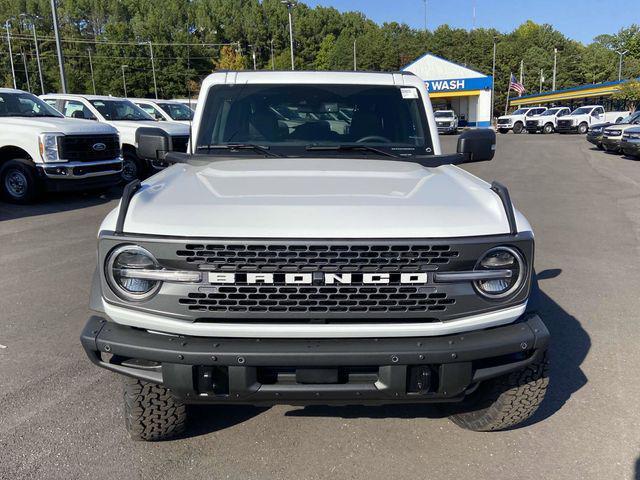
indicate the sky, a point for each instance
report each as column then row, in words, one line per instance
column 580, row 20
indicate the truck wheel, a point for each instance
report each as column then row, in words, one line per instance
column 505, row 401
column 131, row 168
column 152, row 412
column 548, row 128
column 517, row 128
column 503, row 130
column 582, row 128
column 18, row 182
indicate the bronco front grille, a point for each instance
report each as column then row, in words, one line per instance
column 318, row 299
column 313, row 257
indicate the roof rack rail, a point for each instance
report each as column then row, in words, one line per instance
column 503, row 193
column 129, row 191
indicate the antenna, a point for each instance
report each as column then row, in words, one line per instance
column 190, row 121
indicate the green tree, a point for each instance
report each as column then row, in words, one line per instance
column 629, row 93
column 230, row 59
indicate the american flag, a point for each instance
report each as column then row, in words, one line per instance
column 514, row 85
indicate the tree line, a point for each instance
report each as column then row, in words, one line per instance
column 192, row 38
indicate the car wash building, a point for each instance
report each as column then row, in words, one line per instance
column 454, row 87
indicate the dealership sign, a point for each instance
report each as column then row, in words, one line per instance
column 452, row 85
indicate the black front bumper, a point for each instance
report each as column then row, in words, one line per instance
column 327, row 371
column 630, row 148
column 79, row 184
column 595, row 138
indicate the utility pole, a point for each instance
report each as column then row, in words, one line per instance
column 273, row 61
column 622, row 54
column 13, row 70
column 355, row 61
column 56, row 30
column 124, row 80
column 555, row 65
column 541, row 79
column 153, row 69
column 35, row 41
column 290, row 4
column 493, row 79
column 253, row 56
column 26, row 71
column 93, row 78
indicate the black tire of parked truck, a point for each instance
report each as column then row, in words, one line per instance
column 504, row 402
column 548, row 128
column 132, row 167
column 583, row 128
column 152, row 412
column 19, row 181
column 518, row 128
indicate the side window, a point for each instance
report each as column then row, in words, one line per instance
column 151, row 111
column 51, row 102
column 600, row 111
column 76, row 109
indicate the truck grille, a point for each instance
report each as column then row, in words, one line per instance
column 313, row 258
column 532, row 123
column 89, row 148
column 565, row 123
column 311, row 299
column 503, row 121
column 179, row 143
column 612, row 133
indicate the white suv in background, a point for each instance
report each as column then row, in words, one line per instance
column 546, row 122
column 165, row 110
column 127, row 118
column 42, row 150
column 446, row 121
column 518, row 119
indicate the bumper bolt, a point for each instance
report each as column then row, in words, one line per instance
column 454, row 355
column 214, row 358
column 524, row 345
column 394, row 359
column 107, row 348
column 421, row 357
column 240, row 360
column 181, row 357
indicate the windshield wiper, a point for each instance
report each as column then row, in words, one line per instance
column 346, row 147
column 239, row 146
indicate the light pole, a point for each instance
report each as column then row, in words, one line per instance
column 13, row 70
column 555, row 65
column 622, row 54
column 26, row 71
column 93, row 78
column 290, row 5
column 153, row 69
column 355, row 58
column 124, row 80
column 253, row 56
column 273, row 62
column 493, row 79
column 56, row 30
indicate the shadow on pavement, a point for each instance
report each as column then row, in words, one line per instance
column 205, row 419
column 636, row 475
column 58, row 202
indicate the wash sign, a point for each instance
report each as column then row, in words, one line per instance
column 454, row 85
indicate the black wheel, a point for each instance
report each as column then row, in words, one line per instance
column 582, row 128
column 131, row 168
column 503, row 130
column 517, row 128
column 548, row 128
column 19, row 182
column 505, row 401
column 600, row 146
column 152, row 412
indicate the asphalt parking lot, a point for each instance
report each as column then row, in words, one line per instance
column 61, row 417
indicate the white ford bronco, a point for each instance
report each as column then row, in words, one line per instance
column 317, row 247
column 128, row 119
column 41, row 150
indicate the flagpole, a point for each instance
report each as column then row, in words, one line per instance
column 506, row 107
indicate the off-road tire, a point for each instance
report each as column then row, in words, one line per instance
column 505, row 401
column 583, row 128
column 152, row 412
column 19, row 182
column 548, row 128
column 518, row 128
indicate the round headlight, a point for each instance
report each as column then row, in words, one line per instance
column 505, row 259
column 120, row 264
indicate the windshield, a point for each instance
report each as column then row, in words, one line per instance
column 447, row 114
column 520, row 111
column 582, row 111
column 631, row 118
column 25, row 105
column 551, row 111
column 289, row 119
column 120, row 110
column 177, row 111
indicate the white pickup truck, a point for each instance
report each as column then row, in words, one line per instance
column 518, row 119
column 127, row 118
column 583, row 117
column 546, row 122
column 165, row 110
column 42, row 150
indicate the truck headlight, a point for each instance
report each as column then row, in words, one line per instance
column 501, row 258
column 134, row 274
column 48, row 144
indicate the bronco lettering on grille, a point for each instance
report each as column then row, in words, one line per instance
column 318, row 278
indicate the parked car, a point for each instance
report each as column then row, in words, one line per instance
column 547, row 120
column 594, row 134
column 446, row 121
column 630, row 144
column 612, row 135
column 41, row 150
column 165, row 110
column 368, row 269
column 127, row 118
column 583, row 117
column 517, row 120
column 191, row 103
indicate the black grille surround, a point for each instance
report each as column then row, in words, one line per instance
column 503, row 121
column 355, row 302
column 565, row 124
column 89, row 148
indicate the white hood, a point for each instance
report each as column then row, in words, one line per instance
column 69, row 126
column 128, row 128
column 314, row 198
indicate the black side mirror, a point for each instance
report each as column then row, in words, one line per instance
column 477, row 145
column 153, row 144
